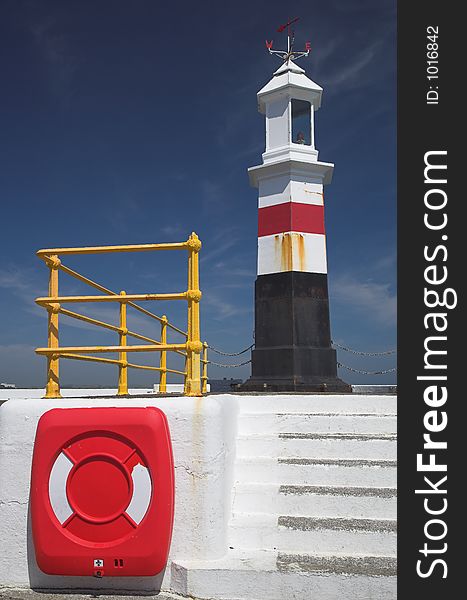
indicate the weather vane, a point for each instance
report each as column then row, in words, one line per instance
column 290, row 53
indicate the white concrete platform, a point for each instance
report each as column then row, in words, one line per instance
column 316, row 501
column 300, row 534
column 319, row 445
column 310, row 471
column 262, row 575
column 38, row 393
column 274, row 423
column 317, row 404
column 203, row 439
column 277, row 497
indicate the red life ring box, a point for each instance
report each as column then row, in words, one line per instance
column 102, row 491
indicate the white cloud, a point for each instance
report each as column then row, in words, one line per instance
column 386, row 262
column 352, row 74
column 375, row 301
column 220, row 308
column 19, row 364
column 25, row 285
column 174, row 230
column 250, row 273
column 55, row 48
column 16, row 280
column 219, row 248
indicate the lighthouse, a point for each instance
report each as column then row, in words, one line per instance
column 292, row 330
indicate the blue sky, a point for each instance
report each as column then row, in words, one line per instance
column 135, row 122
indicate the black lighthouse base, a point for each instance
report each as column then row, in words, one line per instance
column 293, row 350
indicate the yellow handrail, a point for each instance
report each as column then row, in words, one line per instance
column 86, row 319
column 101, row 288
column 104, row 349
column 44, row 253
column 195, row 381
column 110, row 361
column 92, row 321
column 123, row 366
column 114, row 298
column 163, row 358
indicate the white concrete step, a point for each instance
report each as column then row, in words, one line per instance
column 311, row 471
column 332, row 403
column 263, row 575
column 316, row 501
column 348, row 564
column 320, row 445
column 270, row 423
column 313, row 534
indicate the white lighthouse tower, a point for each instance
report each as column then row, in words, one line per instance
column 292, row 332
column 291, row 179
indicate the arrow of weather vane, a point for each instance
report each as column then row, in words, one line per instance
column 290, row 53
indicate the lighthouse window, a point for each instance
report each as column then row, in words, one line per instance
column 301, row 122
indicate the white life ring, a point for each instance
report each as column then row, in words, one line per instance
column 64, row 506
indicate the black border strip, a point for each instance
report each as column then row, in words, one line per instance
column 423, row 128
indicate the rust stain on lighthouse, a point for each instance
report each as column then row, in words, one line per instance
column 289, row 249
column 301, row 251
column 286, row 252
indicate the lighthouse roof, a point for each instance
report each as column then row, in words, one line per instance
column 289, row 65
column 290, row 79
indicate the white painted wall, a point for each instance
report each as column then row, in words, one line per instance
column 292, row 251
column 279, row 189
column 22, row 393
column 236, row 473
column 29, row 393
column 277, row 123
column 203, row 434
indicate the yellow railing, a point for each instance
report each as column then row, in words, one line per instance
column 195, row 379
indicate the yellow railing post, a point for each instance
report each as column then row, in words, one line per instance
column 53, row 382
column 194, row 346
column 123, row 366
column 163, row 358
column 187, row 382
column 204, row 378
column 187, row 379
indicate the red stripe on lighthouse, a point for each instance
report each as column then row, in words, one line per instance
column 290, row 216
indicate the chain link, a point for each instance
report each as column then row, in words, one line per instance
column 230, row 353
column 386, row 353
column 210, row 362
column 367, row 372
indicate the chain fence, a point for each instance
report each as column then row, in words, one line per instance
column 222, row 353
column 385, row 353
column 230, row 353
column 210, row 362
column 360, row 353
column 335, row 344
column 361, row 372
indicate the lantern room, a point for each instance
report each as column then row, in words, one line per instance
column 289, row 102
